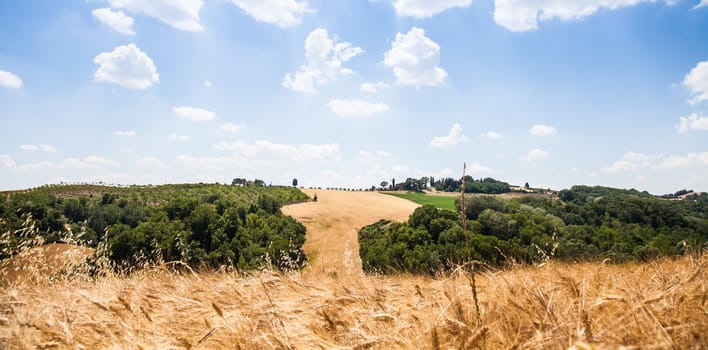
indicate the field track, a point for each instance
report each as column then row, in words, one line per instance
column 333, row 222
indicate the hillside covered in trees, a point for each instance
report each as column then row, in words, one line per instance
column 199, row 224
column 486, row 185
column 586, row 223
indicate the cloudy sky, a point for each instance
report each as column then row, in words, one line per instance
column 349, row 93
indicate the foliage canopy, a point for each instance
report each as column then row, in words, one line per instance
column 587, row 223
column 200, row 224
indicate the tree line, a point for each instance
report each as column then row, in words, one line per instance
column 485, row 185
column 586, row 223
column 199, row 224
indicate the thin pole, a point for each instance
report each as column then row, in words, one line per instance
column 464, row 214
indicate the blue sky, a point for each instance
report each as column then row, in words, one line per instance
column 351, row 93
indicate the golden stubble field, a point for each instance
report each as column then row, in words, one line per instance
column 333, row 222
column 332, row 305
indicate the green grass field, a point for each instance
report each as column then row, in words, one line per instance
column 442, row 202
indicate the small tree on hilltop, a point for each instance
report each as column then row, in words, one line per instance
column 294, row 182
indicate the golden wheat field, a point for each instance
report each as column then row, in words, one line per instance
column 333, row 305
column 659, row 305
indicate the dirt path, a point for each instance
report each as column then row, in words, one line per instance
column 333, row 222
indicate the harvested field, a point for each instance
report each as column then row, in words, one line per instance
column 333, row 222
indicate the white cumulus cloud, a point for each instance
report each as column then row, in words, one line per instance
column 126, row 66
column 283, row 13
column 454, row 137
column 703, row 3
column 118, row 20
column 324, row 60
column 125, row 133
column 373, row 88
column 180, row 14
column 542, row 130
column 356, row 107
column 9, row 79
column 524, row 15
column 536, row 154
column 426, row 8
column 414, row 59
column 697, row 81
column 692, row 122
column 193, row 114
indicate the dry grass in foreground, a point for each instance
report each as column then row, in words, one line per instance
column 659, row 305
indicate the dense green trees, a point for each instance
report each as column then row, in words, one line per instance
column 589, row 223
column 200, row 224
column 486, row 185
column 411, row 184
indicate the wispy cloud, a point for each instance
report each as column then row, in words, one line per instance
column 182, row 14
column 536, row 154
column 356, row 107
column 117, row 20
column 231, row 127
column 193, row 114
column 125, row 133
column 40, row 147
column 283, row 13
column 492, row 135
column 423, row 9
column 177, row 137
